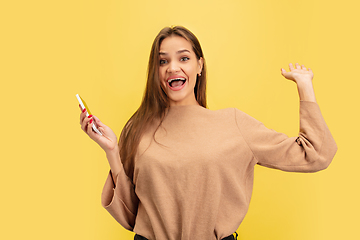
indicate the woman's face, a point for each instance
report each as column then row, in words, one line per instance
column 178, row 70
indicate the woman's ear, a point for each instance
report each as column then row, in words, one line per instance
column 201, row 64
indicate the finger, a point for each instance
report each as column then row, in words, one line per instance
column 297, row 66
column 303, row 67
column 85, row 123
column 82, row 115
column 311, row 71
column 90, row 131
column 291, row 67
column 99, row 124
column 287, row 75
column 89, row 127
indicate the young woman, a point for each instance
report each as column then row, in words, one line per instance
column 181, row 171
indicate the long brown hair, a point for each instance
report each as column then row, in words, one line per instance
column 155, row 100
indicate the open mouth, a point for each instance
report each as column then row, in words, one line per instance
column 176, row 83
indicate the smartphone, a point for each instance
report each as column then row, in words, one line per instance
column 83, row 105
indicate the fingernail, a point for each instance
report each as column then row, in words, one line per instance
column 84, row 110
column 89, row 116
column 90, row 121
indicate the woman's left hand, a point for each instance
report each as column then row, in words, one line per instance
column 303, row 79
column 299, row 74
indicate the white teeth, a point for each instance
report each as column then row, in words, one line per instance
column 175, row 79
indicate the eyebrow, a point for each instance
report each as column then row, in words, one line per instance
column 178, row 52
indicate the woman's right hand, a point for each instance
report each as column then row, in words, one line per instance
column 108, row 140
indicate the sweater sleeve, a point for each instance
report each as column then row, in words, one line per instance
column 312, row 150
column 120, row 200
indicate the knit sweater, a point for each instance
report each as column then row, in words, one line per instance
column 195, row 180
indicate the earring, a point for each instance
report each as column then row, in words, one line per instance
column 199, row 74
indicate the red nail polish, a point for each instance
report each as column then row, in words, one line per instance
column 90, row 121
column 89, row 116
column 84, row 110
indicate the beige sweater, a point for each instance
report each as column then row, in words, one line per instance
column 196, row 180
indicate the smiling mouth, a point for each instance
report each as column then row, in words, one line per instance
column 176, row 82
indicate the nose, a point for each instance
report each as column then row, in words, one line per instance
column 173, row 67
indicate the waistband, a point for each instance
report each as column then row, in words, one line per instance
column 231, row 237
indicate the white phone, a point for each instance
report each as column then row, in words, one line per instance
column 83, row 105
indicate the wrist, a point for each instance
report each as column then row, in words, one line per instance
column 303, row 82
column 306, row 91
column 112, row 152
column 113, row 158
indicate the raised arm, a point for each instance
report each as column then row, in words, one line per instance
column 312, row 150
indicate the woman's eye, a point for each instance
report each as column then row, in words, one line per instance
column 185, row 59
column 162, row 61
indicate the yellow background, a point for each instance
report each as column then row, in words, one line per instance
column 52, row 174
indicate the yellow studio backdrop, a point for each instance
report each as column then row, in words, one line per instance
column 52, row 174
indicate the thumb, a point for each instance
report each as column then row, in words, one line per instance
column 283, row 72
column 287, row 75
column 98, row 122
column 101, row 129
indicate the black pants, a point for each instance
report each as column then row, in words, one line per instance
column 231, row 237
